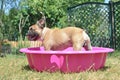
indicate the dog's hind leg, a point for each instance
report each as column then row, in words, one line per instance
column 76, row 47
column 78, row 44
column 87, row 42
column 87, row 45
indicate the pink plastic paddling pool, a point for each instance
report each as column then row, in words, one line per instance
column 66, row 60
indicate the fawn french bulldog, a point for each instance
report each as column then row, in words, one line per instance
column 58, row 39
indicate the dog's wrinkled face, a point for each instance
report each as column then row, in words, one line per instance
column 35, row 31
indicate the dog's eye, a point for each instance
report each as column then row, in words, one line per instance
column 30, row 29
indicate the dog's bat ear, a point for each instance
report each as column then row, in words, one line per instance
column 42, row 22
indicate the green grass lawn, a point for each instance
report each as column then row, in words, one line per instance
column 15, row 67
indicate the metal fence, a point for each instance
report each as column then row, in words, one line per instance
column 116, row 22
column 100, row 20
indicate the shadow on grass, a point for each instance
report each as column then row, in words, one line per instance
column 26, row 67
column 105, row 68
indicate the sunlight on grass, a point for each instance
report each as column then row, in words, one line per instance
column 15, row 67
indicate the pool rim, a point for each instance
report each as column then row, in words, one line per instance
column 100, row 50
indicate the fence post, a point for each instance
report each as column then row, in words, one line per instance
column 112, row 25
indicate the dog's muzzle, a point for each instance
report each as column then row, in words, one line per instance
column 32, row 35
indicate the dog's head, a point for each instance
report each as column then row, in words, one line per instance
column 35, row 31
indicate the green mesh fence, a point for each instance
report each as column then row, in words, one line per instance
column 96, row 19
column 117, row 24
